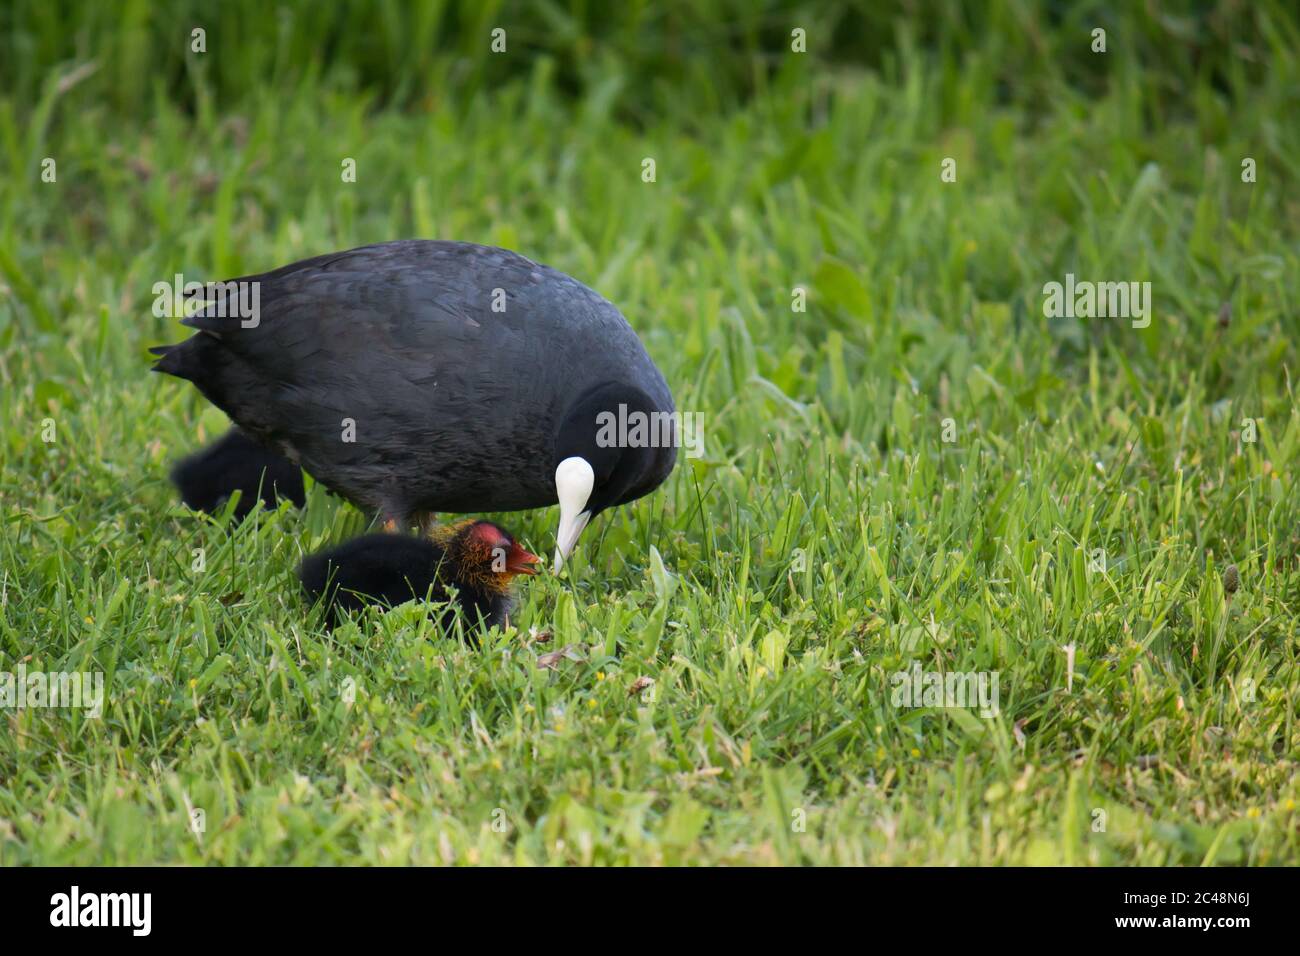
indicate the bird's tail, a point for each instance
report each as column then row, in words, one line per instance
column 173, row 360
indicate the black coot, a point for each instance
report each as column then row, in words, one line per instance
column 478, row 558
column 419, row 376
column 209, row 477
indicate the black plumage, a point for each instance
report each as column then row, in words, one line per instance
column 209, row 477
column 423, row 376
column 474, row 560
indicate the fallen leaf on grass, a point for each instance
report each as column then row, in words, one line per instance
column 551, row 661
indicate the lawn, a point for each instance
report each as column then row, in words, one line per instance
column 909, row 467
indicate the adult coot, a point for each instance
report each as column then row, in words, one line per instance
column 419, row 376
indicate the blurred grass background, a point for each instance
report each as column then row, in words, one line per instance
column 775, row 171
column 431, row 54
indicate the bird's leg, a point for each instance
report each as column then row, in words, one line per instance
column 400, row 522
column 393, row 520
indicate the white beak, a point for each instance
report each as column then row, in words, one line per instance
column 574, row 479
column 567, row 539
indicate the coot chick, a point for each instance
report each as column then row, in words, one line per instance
column 207, row 478
column 422, row 376
column 478, row 558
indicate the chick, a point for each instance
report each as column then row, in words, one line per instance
column 237, row 463
column 478, row 559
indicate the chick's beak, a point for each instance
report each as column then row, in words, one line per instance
column 519, row 561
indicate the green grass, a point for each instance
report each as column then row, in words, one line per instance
column 829, row 538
